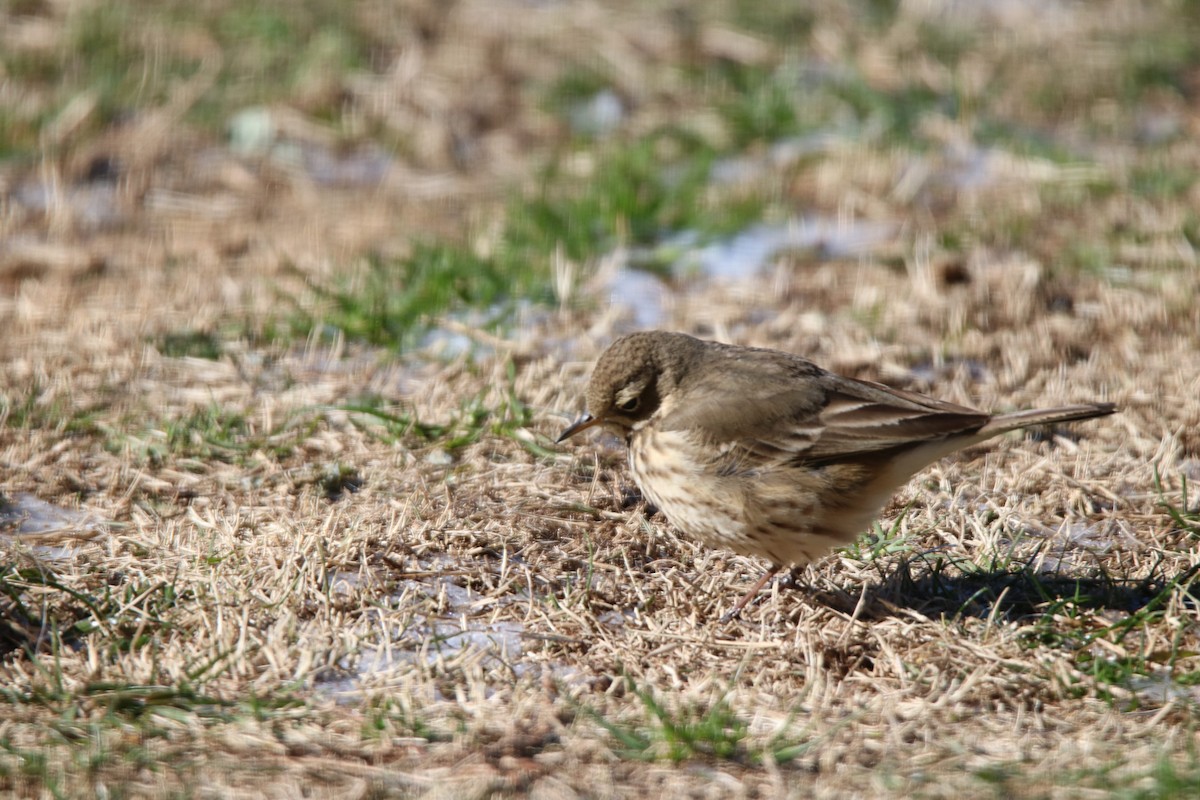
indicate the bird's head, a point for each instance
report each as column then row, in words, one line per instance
column 631, row 378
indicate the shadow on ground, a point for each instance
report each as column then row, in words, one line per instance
column 935, row 585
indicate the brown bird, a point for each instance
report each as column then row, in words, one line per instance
column 763, row 452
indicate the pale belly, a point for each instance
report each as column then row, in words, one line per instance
column 750, row 513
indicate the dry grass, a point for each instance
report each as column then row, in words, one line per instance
column 321, row 567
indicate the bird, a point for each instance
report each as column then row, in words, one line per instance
column 763, row 452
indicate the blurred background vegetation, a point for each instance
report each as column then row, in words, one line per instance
column 474, row 153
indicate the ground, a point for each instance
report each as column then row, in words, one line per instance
column 296, row 298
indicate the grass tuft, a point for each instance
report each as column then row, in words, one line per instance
column 695, row 731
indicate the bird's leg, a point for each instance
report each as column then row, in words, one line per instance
column 792, row 579
column 736, row 611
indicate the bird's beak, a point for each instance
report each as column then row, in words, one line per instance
column 581, row 424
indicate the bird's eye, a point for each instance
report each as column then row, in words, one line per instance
column 630, row 405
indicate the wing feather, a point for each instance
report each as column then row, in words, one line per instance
column 795, row 412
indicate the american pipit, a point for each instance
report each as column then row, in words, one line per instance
column 765, row 453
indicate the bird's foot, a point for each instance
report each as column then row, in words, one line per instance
column 736, row 611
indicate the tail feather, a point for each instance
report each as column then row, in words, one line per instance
column 1045, row 416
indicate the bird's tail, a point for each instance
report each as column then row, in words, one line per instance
column 1044, row 416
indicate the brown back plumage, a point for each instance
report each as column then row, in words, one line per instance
column 778, row 405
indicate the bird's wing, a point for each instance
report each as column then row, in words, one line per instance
column 797, row 412
column 862, row 417
column 754, row 399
